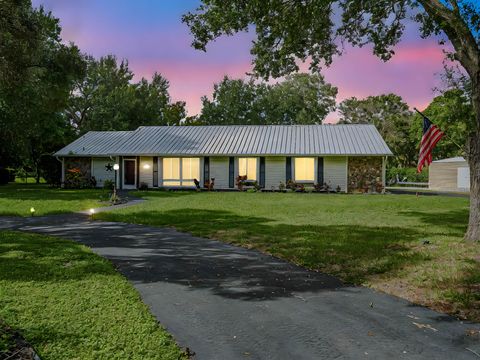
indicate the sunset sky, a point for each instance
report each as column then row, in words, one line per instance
column 151, row 36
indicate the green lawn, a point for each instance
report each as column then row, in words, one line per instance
column 71, row 304
column 17, row 199
column 372, row 240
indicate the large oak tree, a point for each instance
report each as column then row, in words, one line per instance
column 291, row 30
column 106, row 98
column 393, row 119
column 299, row 99
column 37, row 71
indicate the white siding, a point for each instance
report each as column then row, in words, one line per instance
column 444, row 175
column 335, row 171
column 100, row 172
column 463, row 178
column 219, row 171
column 146, row 170
column 275, row 171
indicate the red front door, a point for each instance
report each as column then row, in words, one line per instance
column 129, row 168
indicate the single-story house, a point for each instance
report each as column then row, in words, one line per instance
column 346, row 157
column 452, row 174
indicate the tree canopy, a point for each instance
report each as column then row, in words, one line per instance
column 50, row 92
column 288, row 30
column 299, row 99
column 452, row 112
column 37, row 72
column 107, row 99
column 393, row 119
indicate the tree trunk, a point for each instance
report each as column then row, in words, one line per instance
column 473, row 154
column 473, row 231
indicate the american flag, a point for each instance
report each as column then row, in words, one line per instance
column 431, row 136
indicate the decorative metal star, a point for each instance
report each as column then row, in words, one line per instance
column 109, row 167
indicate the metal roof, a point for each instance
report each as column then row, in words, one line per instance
column 450, row 160
column 95, row 143
column 232, row 140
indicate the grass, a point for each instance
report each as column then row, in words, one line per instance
column 71, row 304
column 376, row 241
column 17, row 199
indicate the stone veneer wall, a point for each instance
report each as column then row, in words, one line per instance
column 365, row 174
column 82, row 163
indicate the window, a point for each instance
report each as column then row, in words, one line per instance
column 190, row 171
column 180, row 171
column 248, row 166
column 305, row 169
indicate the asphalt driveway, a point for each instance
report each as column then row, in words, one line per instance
column 225, row 302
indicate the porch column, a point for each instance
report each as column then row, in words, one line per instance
column 62, row 183
column 384, row 172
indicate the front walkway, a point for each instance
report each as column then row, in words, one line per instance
column 226, row 302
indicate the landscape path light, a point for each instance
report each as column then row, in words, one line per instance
column 116, row 167
column 32, row 211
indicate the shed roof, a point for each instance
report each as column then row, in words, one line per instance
column 232, row 140
column 450, row 160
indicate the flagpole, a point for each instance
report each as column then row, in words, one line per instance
column 448, row 137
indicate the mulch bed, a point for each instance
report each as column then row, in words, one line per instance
column 13, row 346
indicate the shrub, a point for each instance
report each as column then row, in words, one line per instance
column 406, row 174
column 74, row 179
column 143, row 186
column 108, row 184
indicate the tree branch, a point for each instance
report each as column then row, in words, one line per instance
column 463, row 41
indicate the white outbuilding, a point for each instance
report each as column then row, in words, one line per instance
column 452, row 174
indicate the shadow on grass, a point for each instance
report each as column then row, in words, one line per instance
column 30, row 257
column 44, row 192
column 455, row 220
column 350, row 252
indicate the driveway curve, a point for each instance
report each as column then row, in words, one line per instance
column 225, row 302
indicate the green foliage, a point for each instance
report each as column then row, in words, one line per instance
column 289, row 31
column 107, row 99
column 393, row 119
column 72, row 304
column 407, row 174
column 37, row 71
column 299, row 99
column 453, row 113
column 374, row 240
column 75, row 179
column 108, row 184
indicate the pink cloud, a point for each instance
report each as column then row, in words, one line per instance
column 411, row 73
column 151, row 36
column 189, row 82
